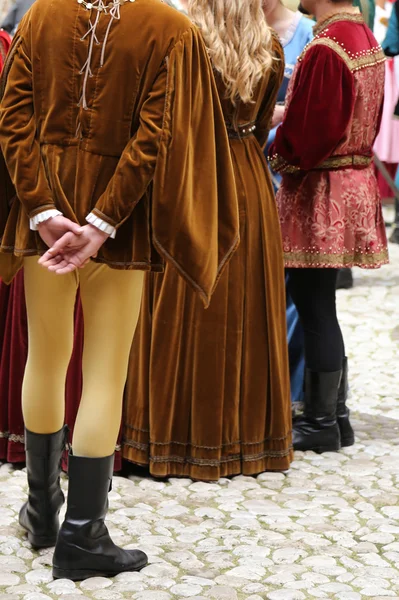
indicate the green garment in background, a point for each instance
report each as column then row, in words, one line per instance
column 368, row 9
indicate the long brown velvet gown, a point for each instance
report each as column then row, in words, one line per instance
column 208, row 390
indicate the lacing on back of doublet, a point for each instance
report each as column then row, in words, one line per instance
column 113, row 9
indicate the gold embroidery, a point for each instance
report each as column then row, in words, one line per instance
column 136, row 445
column 203, row 462
column 290, row 169
column 362, row 258
column 144, row 446
column 267, row 454
column 279, row 165
column 19, row 439
column 353, row 160
column 354, row 61
column 334, row 162
column 11, row 437
column 330, row 19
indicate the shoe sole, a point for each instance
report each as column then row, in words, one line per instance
column 82, row 574
column 319, row 449
column 345, row 443
column 326, row 449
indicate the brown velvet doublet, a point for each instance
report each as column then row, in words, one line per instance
column 148, row 155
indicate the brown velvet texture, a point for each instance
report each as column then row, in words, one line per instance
column 144, row 155
column 9, row 264
column 208, row 390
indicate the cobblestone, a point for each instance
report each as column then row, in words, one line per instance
column 329, row 528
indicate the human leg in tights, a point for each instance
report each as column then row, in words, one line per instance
column 313, row 292
column 111, row 302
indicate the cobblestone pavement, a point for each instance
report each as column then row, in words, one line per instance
column 327, row 529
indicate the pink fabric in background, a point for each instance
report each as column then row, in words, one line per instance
column 387, row 143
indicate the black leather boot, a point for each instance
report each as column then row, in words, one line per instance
column 345, row 428
column 84, row 548
column 318, row 429
column 39, row 516
column 344, row 279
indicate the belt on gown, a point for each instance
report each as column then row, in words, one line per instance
column 238, row 132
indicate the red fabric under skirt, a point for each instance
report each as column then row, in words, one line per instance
column 13, row 354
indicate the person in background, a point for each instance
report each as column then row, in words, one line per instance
column 181, row 5
column 15, row 14
column 367, row 8
column 295, row 31
column 387, row 143
column 390, row 46
column 329, row 203
column 220, row 405
column 382, row 14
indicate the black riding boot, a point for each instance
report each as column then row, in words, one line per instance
column 345, row 428
column 84, row 548
column 39, row 516
column 317, row 429
column 344, row 279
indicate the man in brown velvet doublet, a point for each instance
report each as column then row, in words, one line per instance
column 112, row 133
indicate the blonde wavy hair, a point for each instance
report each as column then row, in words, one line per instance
column 239, row 42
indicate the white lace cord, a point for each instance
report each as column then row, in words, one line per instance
column 115, row 13
column 78, row 126
column 86, row 70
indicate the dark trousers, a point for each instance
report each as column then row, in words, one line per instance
column 313, row 292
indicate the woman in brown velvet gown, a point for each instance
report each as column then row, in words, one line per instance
column 208, row 390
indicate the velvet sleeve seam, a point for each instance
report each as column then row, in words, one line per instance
column 181, row 39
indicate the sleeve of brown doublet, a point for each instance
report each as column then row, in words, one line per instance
column 182, row 147
column 276, row 78
column 18, row 139
column 136, row 166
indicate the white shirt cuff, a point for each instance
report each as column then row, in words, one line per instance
column 102, row 225
column 35, row 221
